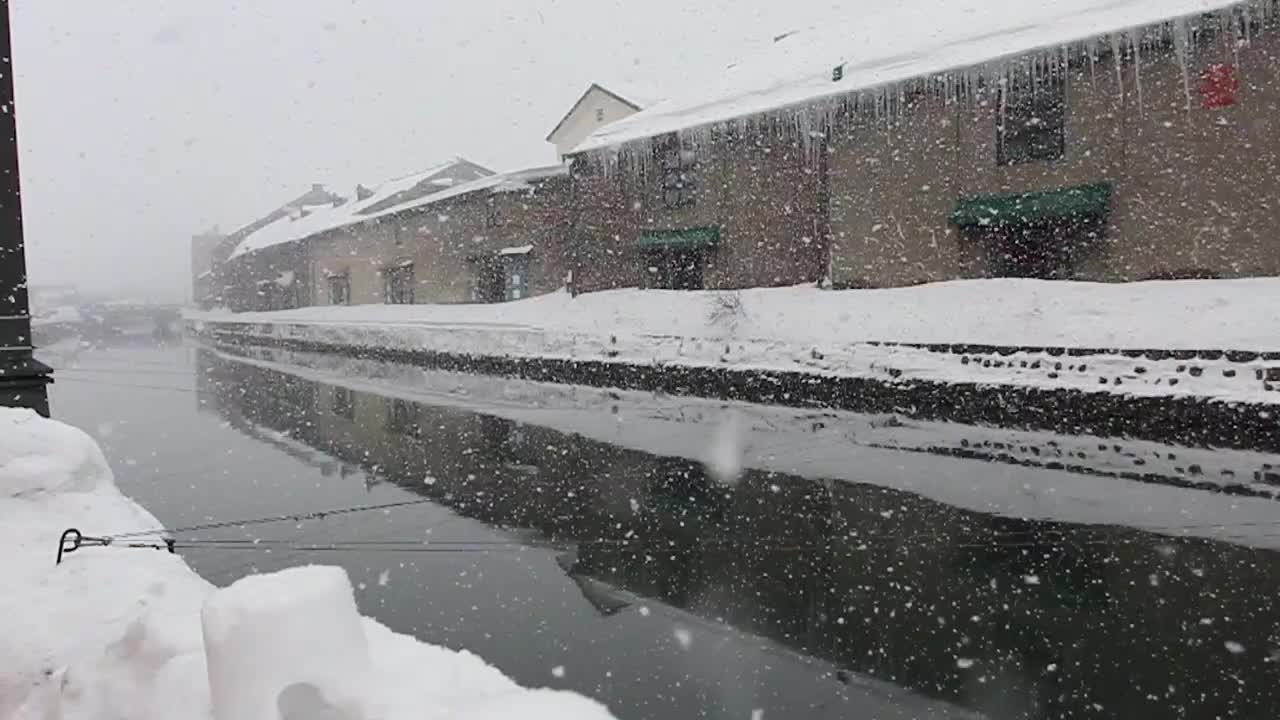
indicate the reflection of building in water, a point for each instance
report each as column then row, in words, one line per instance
column 1007, row 617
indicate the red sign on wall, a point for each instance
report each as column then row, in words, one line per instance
column 1218, row 86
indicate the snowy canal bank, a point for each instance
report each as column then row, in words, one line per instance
column 1194, row 360
column 848, row 571
column 114, row 633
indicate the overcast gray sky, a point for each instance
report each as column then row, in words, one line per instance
column 145, row 121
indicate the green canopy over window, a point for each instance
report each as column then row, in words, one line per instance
column 691, row 238
column 1084, row 202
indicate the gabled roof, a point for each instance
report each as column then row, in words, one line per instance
column 406, row 193
column 421, row 184
column 897, row 43
column 305, row 218
column 635, row 100
column 514, row 181
column 317, row 196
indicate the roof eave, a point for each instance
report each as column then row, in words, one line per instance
column 587, row 147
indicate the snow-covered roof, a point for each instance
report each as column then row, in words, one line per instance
column 294, row 225
column 419, row 184
column 522, row 179
column 314, row 220
column 895, row 43
column 305, row 221
column 514, row 181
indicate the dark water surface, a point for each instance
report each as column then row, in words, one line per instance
column 573, row 550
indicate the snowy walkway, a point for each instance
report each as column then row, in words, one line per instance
column 114, row 633
column 1204, row 338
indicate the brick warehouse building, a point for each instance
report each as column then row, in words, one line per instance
column 1134, row 140
column 1141, row 144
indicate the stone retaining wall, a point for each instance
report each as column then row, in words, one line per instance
column 1181, row 418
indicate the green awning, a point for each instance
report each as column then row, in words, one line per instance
column 692, row 238
column 1084, row 202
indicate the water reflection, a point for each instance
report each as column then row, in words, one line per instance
column 1009, row 618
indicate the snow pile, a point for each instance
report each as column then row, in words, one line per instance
column 892, row 44
column 303, row 632
column 115, row 633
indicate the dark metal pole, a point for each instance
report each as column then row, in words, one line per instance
column 23, row 379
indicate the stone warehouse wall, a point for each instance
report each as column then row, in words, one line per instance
column 1196, row 190
column 449, row 245
column 1214, row 398
column 762, row 194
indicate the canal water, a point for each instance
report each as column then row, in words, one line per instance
column 682, row 558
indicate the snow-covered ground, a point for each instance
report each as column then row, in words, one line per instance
column 61, row 315
column 875, row 450
column 117, row 633
column 844, row 333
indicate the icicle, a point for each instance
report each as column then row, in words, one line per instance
column 1181, row 51
column 1137, row 70
column 1233, row 37
column 1095, row 51
column 1002, row 113
column 1119, row 61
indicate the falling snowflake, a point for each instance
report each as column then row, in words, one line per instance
column 684, row 637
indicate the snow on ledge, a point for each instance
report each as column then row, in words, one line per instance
column 115, row 633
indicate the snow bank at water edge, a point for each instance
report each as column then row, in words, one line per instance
column 113, row 633
column 924, row 333
column 1170, row 314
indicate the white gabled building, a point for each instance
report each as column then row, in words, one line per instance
column 597, row 107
